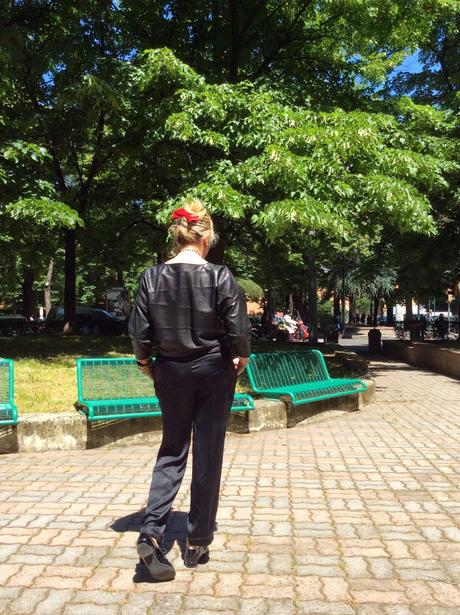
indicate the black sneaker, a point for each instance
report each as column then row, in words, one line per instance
column 154, row 558
column 198, row 555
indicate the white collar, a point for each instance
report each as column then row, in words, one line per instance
column 188, row 257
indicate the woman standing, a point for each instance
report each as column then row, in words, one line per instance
column 196, row 312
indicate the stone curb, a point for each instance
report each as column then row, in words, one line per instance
column 443, row 360
column 70, row 430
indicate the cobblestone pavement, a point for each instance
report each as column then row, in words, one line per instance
column 354, row 515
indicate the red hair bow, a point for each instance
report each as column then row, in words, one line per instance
column 183, row 213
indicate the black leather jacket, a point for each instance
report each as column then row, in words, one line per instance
column 189, row 308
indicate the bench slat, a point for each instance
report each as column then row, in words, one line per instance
column 8, row 410
column 301, row 375
column 115, row 389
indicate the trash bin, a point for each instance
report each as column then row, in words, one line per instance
column 331, row 335
column 415, row 330
column 375, row 341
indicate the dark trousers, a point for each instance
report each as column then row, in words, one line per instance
column 195, row 397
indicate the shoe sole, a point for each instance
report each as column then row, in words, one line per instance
column 159, row 571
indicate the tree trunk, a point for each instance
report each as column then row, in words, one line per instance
column 70, row 281
column 343, row 299
column 268, row 291
column 297, row 300
column 216, row 254
column 390, row 315
column 336, row 303
column 47, row 293
column 312, row 298
column 120, row 278
column 342, row 311
column 351, row 311
column 409, row 314
column 28, row 292
column 300, row 305
column 234, row 41
column 375, row 310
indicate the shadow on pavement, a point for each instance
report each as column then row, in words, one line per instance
column 175, row 532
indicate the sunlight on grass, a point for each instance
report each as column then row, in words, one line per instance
column 45, row 372
column 45, row 385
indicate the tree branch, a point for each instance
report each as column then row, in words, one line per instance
column 258, row 7
column 123, row 232
column 234, row 41
column 288, row 38
column 82, row 195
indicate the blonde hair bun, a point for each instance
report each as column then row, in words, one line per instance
column 184, row 233
column 194, row 206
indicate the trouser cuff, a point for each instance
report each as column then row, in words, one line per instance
column 201, row 542
column 154, row 531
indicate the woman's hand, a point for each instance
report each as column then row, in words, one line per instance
column 145, row 366
column 240, row 364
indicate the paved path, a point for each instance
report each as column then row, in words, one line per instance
column 359, row 340
column 355, row 515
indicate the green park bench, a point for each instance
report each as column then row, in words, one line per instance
column 300, row 376
column 8, row 411
column 115, row 388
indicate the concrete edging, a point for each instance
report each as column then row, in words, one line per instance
column 426, row 355
column 71, row 431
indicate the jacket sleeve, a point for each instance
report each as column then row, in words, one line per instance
column 140, row 326
column 231, row 308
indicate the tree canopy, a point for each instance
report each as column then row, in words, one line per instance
column 286, row 118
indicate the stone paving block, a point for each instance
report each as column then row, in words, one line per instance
column 5, row 606
column 203, row 584
column 211, row 603
column 282, row 563
column 446, row 593
column 94, row 609
column 223, row 566
column 380, row 597
column 452, row 567
column 99, row 597
column 267, row 586
column 10, row 593
column 356, row 514
column 228, row 584
column 26, row 602
column 54, row 603
column 7, row 571
column 26, row 576
column 335, row 589
column 257, row 563
column 380, row 609
column 254, row 606
column 323, row 571
column 6, row 551
column 308, row 588
column 326, row 608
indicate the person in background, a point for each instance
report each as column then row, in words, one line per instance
column 196, row 312
column 441, row 326
column 338, row 322
column 291, row 324
column 302, row 332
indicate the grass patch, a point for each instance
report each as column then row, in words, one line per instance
column 45, row 373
